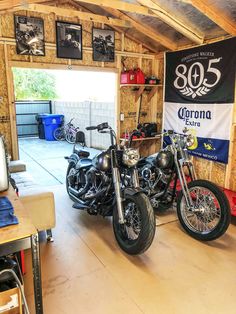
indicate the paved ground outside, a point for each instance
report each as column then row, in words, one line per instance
column 45, row 163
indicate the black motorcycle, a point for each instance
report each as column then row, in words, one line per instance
column 202, row 208
column 95, row 185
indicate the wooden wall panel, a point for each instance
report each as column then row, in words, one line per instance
column 5, row 128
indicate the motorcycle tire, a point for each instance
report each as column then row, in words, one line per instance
column 212, row 216
column 59, row 134
column 135, row 206
column 70, row 137
column 70, row 169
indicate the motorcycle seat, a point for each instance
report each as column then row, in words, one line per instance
column 85, row 162
column 82, row 153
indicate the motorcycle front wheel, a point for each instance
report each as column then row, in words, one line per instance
column 210, row 216
column 136, row 235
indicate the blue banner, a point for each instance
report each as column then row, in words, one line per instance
column 199, row 96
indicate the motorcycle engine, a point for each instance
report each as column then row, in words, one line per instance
column 153, row 182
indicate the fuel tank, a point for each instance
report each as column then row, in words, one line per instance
column 102, row 161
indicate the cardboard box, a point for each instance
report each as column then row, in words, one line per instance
column 10, row 301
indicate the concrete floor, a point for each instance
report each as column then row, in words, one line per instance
column 84, row 271
column 45, row 163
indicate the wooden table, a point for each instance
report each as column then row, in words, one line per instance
column 20, row 237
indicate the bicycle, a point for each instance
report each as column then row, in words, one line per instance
column 66, row 132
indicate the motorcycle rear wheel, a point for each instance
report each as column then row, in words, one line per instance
column 137, row 234
column 211, row 216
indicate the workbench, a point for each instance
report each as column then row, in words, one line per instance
column 20, row 237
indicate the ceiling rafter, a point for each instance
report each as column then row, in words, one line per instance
column 216, row 15
column 151, row 8
column 170, row 19
column 119, row 30
column 9, row 5
column 47, row 9
column 120, row 5
column 146, row 30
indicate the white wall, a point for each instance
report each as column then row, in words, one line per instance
column 88, row 113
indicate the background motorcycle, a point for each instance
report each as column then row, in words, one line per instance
column 202, row 208
column 95, row 185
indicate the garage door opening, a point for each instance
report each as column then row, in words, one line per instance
column 87, row 97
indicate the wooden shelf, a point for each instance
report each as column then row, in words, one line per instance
column 141, row 139
column 152, row 88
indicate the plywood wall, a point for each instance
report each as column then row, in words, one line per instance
column 8, row 58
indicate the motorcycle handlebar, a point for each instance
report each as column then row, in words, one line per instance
column 90, row 128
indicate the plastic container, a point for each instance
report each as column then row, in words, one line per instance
column 39, row 119
column 51, row 122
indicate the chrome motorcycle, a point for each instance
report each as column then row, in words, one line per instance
column 202, row 208
column 95, row 185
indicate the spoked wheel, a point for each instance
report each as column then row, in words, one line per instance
column 210, row 216
column 59, row 134
column 136, row 235
column 70, row 137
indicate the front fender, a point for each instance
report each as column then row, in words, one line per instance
column 131, row 191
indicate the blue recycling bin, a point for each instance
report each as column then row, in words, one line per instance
column 51, row 122
column 39, row 119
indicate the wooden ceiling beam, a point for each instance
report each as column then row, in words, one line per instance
column 121, row 5
column 11, row 4
column 216, row 15
column 146, row 30
column 119, row 30
column 47, row 9
column 170, row 19
column 151, row 8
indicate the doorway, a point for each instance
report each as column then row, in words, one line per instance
column 87, row 97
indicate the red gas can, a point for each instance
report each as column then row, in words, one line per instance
column 140, row 76
column 128, row 77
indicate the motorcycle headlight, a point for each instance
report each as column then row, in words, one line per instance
column 130, row 157
column 189, row 140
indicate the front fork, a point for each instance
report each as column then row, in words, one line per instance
column 117, row 185
column 183, row 182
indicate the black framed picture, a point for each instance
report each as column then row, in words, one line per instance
column 29, row 33
column 69, row 40
column 103, row 45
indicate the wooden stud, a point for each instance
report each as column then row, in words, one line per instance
column 11, row 102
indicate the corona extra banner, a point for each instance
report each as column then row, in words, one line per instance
column 199, row 96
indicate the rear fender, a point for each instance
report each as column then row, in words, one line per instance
column 73, row 158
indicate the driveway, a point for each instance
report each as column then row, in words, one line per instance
column 45, row 163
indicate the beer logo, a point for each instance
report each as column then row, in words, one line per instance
column 197, row 81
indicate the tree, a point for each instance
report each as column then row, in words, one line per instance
column 34, row 84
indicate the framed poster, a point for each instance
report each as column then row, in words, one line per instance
column 29, row 34
column 103, row 43
column 69, row 40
